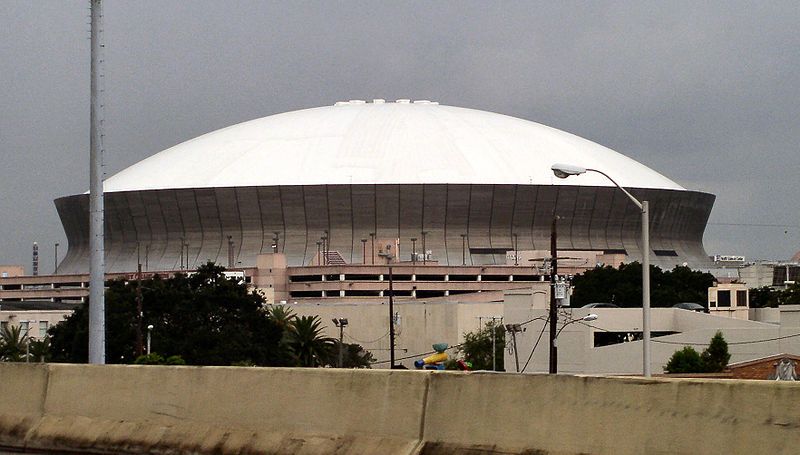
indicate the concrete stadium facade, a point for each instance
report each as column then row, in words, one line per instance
column 453, row 179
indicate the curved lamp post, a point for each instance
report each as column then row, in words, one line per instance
column 587, row 318
column 565, row 170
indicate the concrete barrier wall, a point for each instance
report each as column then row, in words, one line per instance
column 134, row 409
column 512, row 413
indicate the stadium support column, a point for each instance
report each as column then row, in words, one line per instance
column 97, row 324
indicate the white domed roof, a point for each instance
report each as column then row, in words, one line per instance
column 381, row 143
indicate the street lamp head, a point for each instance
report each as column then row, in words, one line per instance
column 563, row 171
column 590, row 317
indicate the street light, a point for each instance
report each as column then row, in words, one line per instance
column 514, row 329
column 565, row 170
column 149, row 332
column 341, row 323
column 587, row 318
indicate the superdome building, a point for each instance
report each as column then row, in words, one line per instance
column 467, row 186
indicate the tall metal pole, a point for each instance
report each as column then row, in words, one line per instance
column 424, row 251
column 139, row 311
column 516, row 354
column 391, row 320
column 372, row 236
column 341, row 344
column 553, row 308
column 230, row 251
column 97, row 324
column 364, row 251
column 463, row 249
column 646, row 287
column 516, row 250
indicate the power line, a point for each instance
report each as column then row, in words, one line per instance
column 756, row 225
column 678, row 343
column 537, row 341
column 367, row 342
column 417, row 355
column 732, row 342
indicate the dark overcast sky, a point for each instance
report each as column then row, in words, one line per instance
column 706, row 93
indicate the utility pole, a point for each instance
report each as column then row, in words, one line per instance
column 424, row 251
column 341, row 323
column 364, row 251
column 553, row 305
column 230, row 252
column 494, row 343
column 325, row 247
column 391, row 317
column 463, row 249
column 183, row 244
column 139, row 312
column 516, row 250
column 372, row 236
column 97, row 266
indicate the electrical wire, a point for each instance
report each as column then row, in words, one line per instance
column 544, row 326
column 730, row 343
column 416, row 355
column 756, row 225
column 367, row 342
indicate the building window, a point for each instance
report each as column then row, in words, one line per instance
column 42, row 329
column 741, row 298
column 724, row 298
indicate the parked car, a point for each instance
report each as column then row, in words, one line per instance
column 600, row 305
column 690, row 306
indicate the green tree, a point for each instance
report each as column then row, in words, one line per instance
column 40, row 350
column 623, row 286
column 354, row 356
column 12, row 344
column 309, row 347
column 764, row 297
column 205, row 318
column 791, row 295
column 687, row 360
column 477, row 347
column 155, row 358
column 715, row 357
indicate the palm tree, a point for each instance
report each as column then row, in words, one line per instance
column 12, row 343
column 309, row 347
column 282, row 315
column 40, row 350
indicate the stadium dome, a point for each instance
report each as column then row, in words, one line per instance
column 382, row 143
column 470, row 185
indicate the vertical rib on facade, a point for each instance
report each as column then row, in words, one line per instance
column 152, row 226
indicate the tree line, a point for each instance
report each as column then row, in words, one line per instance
column 204, row 318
